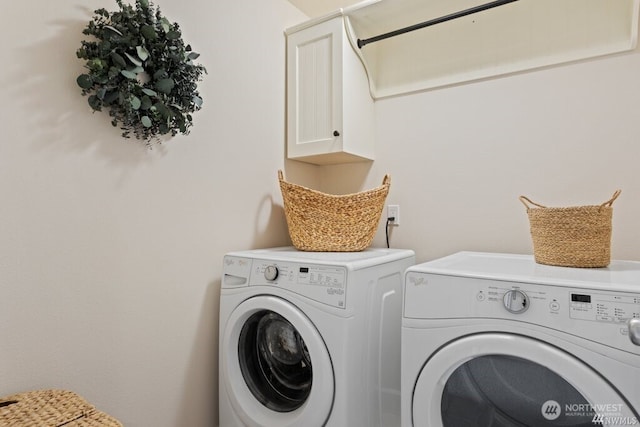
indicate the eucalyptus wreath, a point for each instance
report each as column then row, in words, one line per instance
column 140, row 69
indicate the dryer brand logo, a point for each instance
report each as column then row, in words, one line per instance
column 551, row 410
column 417, row 281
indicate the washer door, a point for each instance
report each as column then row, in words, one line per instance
column 502, row 380
column 278, row 370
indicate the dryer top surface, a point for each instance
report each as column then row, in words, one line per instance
column 619, row 275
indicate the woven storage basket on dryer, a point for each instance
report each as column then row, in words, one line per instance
column 578, row 236
column 51, row 408
column 323, row 222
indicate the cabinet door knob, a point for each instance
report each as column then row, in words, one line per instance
column 336, row 133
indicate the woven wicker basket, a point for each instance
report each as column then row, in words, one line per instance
column 577, row 236
column 322, row 222
column 51, row 408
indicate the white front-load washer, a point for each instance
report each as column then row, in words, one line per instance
column 311, row 338
column 498, row 340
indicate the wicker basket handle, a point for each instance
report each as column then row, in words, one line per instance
column 526, row 202
column 385, row 181
column 609, row 202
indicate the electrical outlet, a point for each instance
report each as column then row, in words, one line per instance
column 394, row 211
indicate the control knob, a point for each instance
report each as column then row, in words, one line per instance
column 271, row 272
column 634, row 330
column 515, row 301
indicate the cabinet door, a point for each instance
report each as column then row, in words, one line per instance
column 314, row 64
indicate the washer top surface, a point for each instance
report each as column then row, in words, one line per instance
column 619, row 275
column 352, row 260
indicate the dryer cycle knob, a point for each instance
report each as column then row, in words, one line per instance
column 271, row 272
column 515, row 301
column 634, row 330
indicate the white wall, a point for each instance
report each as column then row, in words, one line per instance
column 110, row 254
column 459, row 157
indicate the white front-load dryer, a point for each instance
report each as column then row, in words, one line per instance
column 498, row 340
column 311, row 338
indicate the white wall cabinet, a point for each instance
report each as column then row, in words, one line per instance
column 329, row 107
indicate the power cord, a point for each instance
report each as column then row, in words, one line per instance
column 389, row 221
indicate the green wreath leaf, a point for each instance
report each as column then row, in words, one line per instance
column 117, row 59
column 165, row 85
column 84, row 81
column 134, row 61
column 148, row 32
column 129, row 74
column 143, row 53
column 135, row 103
column 140, row 69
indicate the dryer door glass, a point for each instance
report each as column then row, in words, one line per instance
column 508, row 380
column 274, row 361
column 506, row 391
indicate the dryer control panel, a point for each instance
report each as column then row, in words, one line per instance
column 604, row 307
column 598, row 315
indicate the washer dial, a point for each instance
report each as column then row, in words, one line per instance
column 271, row 273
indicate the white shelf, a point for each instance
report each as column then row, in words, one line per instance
column 518, row 36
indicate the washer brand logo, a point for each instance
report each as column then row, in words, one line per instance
column 551, row 410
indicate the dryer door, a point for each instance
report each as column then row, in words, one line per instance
column 503, row 380
column 277, row 367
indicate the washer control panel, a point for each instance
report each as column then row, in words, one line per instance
column 322, row 283
column 271, row 272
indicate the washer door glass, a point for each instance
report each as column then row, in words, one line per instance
column 275, row 369
column 501, row 380
column 275, row 361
